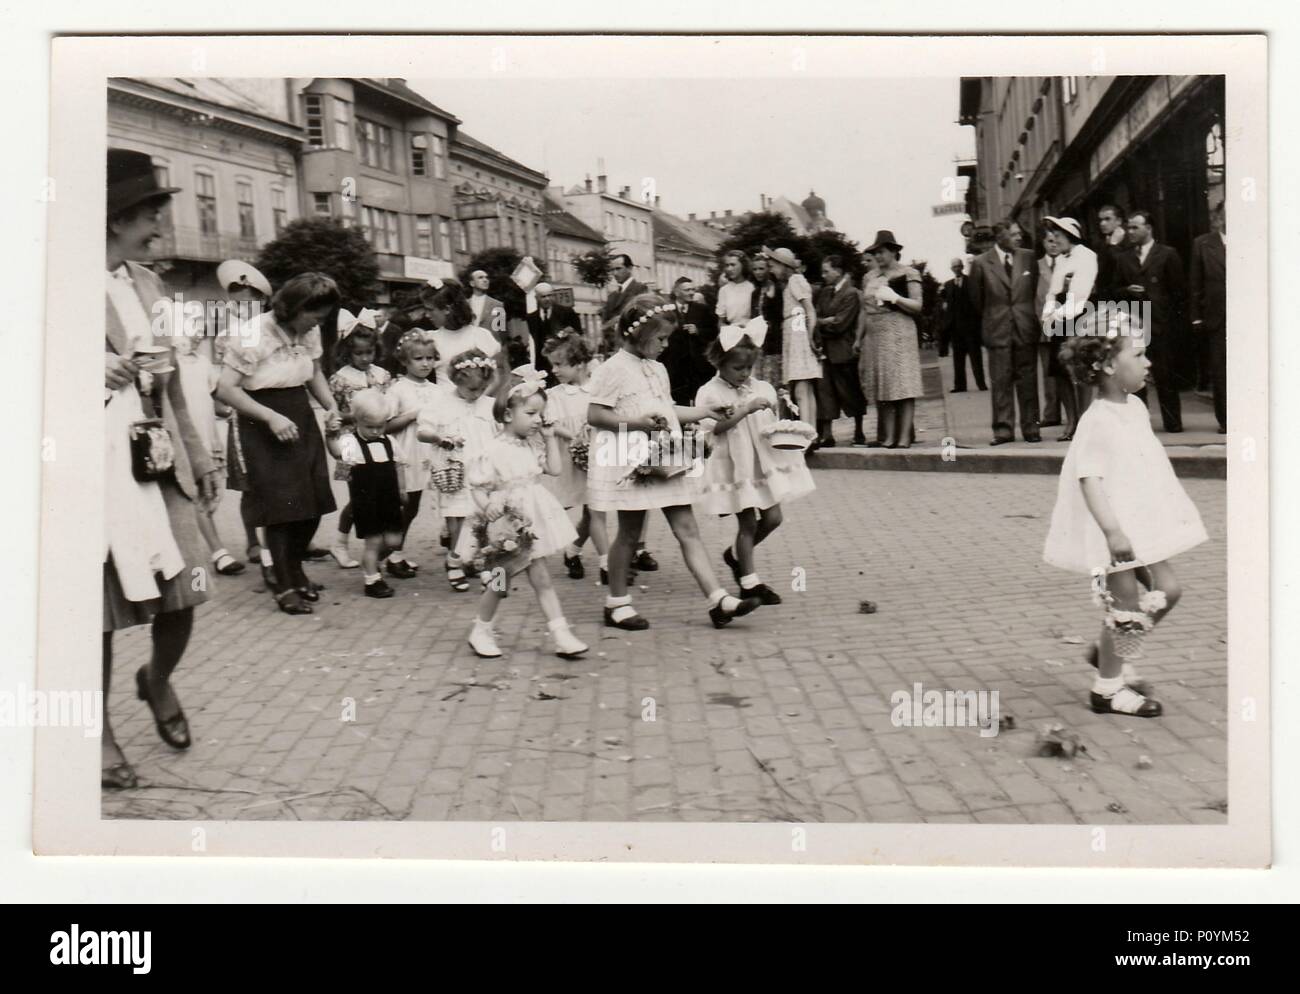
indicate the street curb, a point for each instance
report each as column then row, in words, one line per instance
column 1189, row 464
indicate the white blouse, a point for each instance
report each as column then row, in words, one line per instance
column 267, row 356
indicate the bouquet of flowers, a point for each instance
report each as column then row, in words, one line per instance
column 579, row 450
column 1127, row 628
column 669, row 452
column 503, row 536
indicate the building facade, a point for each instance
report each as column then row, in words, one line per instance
column 377, row 156
column 626, row 224
column 234, row 159
column 566, row 238
column 683, row 248
column 499, row 202
column 1065, row 146
column 806, row 217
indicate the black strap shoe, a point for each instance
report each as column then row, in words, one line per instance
column 721, row 618
column 379, row 589
column 574, row 565
column 119, row 776
column 763, row 592
column 175, row 731
column 400, row 569
column 291, row 602
column 635, row 623
column 645, row 562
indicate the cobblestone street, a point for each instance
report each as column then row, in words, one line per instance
column 783, row 716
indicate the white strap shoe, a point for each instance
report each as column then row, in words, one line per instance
column 567, row 645
column 482, row 639
column 343, row 557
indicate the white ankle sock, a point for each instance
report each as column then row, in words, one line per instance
column 572, row 550
column 558, row 624
column 604, row 562
column 216, row 556
column 751, row 580
column 620, row 608
column 718, row 597
column 1108, row 686
column 395, row 557
column 372, row 579
column 267, row 561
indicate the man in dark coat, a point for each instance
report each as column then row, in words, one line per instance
column 962, row 329
column 683, row 356
column 545, row 323
column 1002, row 286
column 625, row 288
column 839, row 390
column 1151, row 273
column 1208, row 305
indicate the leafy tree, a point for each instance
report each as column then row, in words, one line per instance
column 831, row 242
column 594, row 267
column 324, row 245
column 764, row 228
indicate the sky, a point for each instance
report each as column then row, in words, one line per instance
column 880, row 152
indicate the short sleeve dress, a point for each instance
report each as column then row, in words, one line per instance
column 283, row 481
column 451, row 343
column 744, row 471
column 567, row 405
column 798, row 359
column 348, row 380
column 1115, row 442
column 514, row 466
column 632, row 388
column 413, row 455
column 890, row 364
column 450, row 416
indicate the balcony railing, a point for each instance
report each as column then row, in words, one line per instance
column 191, row 243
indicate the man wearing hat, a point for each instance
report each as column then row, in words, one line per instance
column 1002, row 285
column 154, row 550
column 545, row 323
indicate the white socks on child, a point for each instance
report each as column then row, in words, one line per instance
column 750, row 581
column 620, row 608
column 572, row 550
column 1108, row 686
column 604, row 562
column 266, row 557
column 720, row 598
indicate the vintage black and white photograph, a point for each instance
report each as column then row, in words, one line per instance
column 822, row 437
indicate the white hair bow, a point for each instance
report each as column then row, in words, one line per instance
column 532, row 380
column 348, row 322
column 729, row 335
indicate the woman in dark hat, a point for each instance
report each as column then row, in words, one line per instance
column 890, row 363
column 269, row 368
column 155, row 566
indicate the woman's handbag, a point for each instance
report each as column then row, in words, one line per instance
column 153, row 456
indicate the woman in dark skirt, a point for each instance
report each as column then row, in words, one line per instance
column 269, row 369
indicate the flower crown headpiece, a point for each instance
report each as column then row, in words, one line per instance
column 474, row 362
column 660, row 309
column 531, row 380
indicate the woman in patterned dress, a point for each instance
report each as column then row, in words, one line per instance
column 890, row 363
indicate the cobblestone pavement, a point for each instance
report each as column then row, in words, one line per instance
column 783, row 716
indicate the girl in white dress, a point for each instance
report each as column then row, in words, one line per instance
column 566, row 407
column 630, row 397
column 745, row 475
column 507, row 471
column 411, row 394
column 1120, row 513
column 458, row 426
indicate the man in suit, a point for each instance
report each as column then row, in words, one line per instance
column 545, row 323
column 1208, row 300
column 961, row 323
column 683, row 356
column 1002, row 286
column 626, row 286
column 839, row 306
column 1114, row 239
column 1150, row 273
column 489, row 312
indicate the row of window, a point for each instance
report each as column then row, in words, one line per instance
column 205, row 196
column 627, row 228
column 427, row 154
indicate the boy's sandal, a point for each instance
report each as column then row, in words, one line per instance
column 456, row 577
column 1125, row 701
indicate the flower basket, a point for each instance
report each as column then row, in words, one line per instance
column 787, row 434
column 1127, row 628
column 668, row 454
column 504, row 542
column 449, row 478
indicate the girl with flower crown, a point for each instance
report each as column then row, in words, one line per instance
column 1121, row 515
column 631, row 400
column 746, row 476
column 518, row 523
